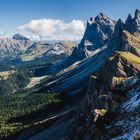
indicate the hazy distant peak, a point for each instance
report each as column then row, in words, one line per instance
column 20, row 37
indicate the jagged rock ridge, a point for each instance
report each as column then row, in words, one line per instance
column 97, row 35
column 101, row 35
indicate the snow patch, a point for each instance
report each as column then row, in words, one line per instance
column 130, row 81
column 76, row 63
column 132, row 102
column 34, row 81
column 127, row 136
column 129, row 123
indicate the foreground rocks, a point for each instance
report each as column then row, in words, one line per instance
column 116, row 117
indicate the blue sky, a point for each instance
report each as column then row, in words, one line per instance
column 14, row 13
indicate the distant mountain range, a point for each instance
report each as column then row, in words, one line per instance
column 22, row 51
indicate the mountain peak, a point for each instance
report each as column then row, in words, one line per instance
column 128, row 23
column 119, row 21
column 133, row 24
column 137, row 13
column 129, row 17
column 136, row 22
column 117, row 36
column 101, row 16
column 98, row 18
column 119, row 25
column 19, row 37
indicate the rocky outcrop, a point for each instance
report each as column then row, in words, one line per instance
column 117, row 36
column 124, row 33
column 136, row 22
column 126, row 125
column 128, row 23
column 111, row 120
column 133, row 24
column 130, row 43
column 119, row 67
column 98, row 32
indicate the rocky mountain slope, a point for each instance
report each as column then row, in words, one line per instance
column 119, row 67
column 13, row 47
column 131, row 43
column 45, row 52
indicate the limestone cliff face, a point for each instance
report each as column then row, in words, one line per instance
column 98, row 32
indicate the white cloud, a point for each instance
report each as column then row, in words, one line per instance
column 53, row 29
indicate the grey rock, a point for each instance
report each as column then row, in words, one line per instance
column 133, row 24
column 12, row 48
column 136, row 22
column 128, row 23
column 117, row 36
